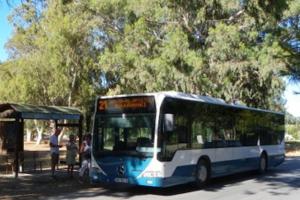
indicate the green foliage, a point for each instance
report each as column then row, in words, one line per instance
column 291, row 32
column 290, row 119
column 204, row 47
column 52, row 56
column 66, row 52
column 293, row 130
column 292, row 126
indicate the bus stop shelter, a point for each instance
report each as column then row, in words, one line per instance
column 12, row 118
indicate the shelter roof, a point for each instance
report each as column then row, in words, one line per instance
column 25, row 111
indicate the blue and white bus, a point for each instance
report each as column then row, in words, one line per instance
column 168, row 138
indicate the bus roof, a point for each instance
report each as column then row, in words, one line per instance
column 192, row 97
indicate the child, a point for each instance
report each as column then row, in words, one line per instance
column 71, row 154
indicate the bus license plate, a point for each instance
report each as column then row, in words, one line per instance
column 121, row 180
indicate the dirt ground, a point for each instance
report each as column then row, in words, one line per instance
column 44, row 146
column 292, row 153
column 36, row 185
column 32, row 146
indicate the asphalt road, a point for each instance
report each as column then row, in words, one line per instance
column 282, row 182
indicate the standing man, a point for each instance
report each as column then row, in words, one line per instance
column 54, row 150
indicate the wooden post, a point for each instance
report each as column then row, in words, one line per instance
column 21, row 145
column 17, row 146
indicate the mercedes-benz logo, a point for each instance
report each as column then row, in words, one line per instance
column 121, row 170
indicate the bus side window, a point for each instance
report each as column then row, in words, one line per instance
column 218, row 138
column 182, row 137
column 143, row 142
column 182, row 134
column 208, row 137
column 198, row 136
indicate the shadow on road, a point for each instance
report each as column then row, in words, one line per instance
column 285, row 175
column 35, row 186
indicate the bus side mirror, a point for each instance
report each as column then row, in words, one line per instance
column 168, row 122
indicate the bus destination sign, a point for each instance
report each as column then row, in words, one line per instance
column 133, row 104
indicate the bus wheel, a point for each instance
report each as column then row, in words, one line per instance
column 202, row 173
column 263, row 163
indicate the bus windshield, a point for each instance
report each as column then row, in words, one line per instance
column 126, row 134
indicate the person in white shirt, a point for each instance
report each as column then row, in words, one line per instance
column 54, row 150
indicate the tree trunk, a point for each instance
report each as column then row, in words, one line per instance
column 70, row 98
column 40, row 135
column 39, row 130
column 61, row 135
column 28, row 135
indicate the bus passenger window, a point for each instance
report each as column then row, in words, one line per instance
column 144, row 142
column 182, row 134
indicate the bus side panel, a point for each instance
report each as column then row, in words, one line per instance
column 222, row 164
column 276, row 154
column 235, row 159
column 182, row 168
column 224, row 161
column 248, row 158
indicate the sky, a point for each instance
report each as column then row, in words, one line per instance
column 5, row 29
column 292, row 100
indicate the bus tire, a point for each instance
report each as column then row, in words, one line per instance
column 202, row 173
column 263, row 163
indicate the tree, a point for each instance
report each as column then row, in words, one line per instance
column 52, row 51
column 290, row 39
column 66, row 52
column 224, row 49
